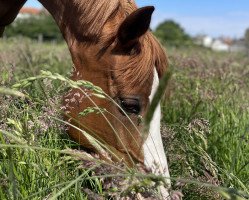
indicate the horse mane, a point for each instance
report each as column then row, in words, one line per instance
column 95, row 15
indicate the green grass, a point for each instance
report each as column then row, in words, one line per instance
column 205, row 128
column 207, row 118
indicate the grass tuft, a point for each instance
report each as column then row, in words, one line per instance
column 205, row 128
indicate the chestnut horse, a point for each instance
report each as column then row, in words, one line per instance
column 112, row 47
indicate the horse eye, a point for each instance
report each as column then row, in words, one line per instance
column 130, row 105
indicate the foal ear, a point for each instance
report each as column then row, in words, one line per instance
column 135, row 25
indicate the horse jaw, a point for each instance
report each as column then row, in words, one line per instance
column 154, row 155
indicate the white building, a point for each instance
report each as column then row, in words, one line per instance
column 219, row 45
column 207, row 41
column 214, row 44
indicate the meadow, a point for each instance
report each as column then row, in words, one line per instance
column 205, row 128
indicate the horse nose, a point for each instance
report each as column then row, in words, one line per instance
column 131, row 105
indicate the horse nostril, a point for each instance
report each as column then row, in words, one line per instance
column 130, row 105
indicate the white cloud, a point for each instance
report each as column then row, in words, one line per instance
column 233, row 24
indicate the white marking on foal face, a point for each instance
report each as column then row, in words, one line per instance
column 154, row 155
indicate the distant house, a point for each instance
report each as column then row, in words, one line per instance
column 207, row 41
column 219, row 45
column 204, row 40
column 238, row 46
column 214, row 44
column 27, row 12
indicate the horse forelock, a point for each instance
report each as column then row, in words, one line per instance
column 139, row 69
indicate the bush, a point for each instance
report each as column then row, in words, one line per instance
column 34, row 27
column 171, row 33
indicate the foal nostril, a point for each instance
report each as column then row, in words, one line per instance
column 130, row 105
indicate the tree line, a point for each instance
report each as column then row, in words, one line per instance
column 44, row 28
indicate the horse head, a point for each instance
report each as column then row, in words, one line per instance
column 112, row 47
column 124, row 59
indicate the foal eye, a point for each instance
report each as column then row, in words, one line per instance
column 130, row 105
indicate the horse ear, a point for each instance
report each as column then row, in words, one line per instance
column 135, row 25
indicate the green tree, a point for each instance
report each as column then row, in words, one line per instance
column 171, row 33
column 33, row 27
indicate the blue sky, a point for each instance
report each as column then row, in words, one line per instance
column 212, row 17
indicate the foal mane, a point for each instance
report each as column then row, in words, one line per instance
column 95, row 15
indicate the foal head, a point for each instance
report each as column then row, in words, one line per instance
column 122, row 57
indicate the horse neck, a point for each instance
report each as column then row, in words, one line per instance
column 74, row 19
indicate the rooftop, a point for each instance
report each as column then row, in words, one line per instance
column 30, row 10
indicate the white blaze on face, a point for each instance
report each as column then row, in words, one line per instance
column 154, row 155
